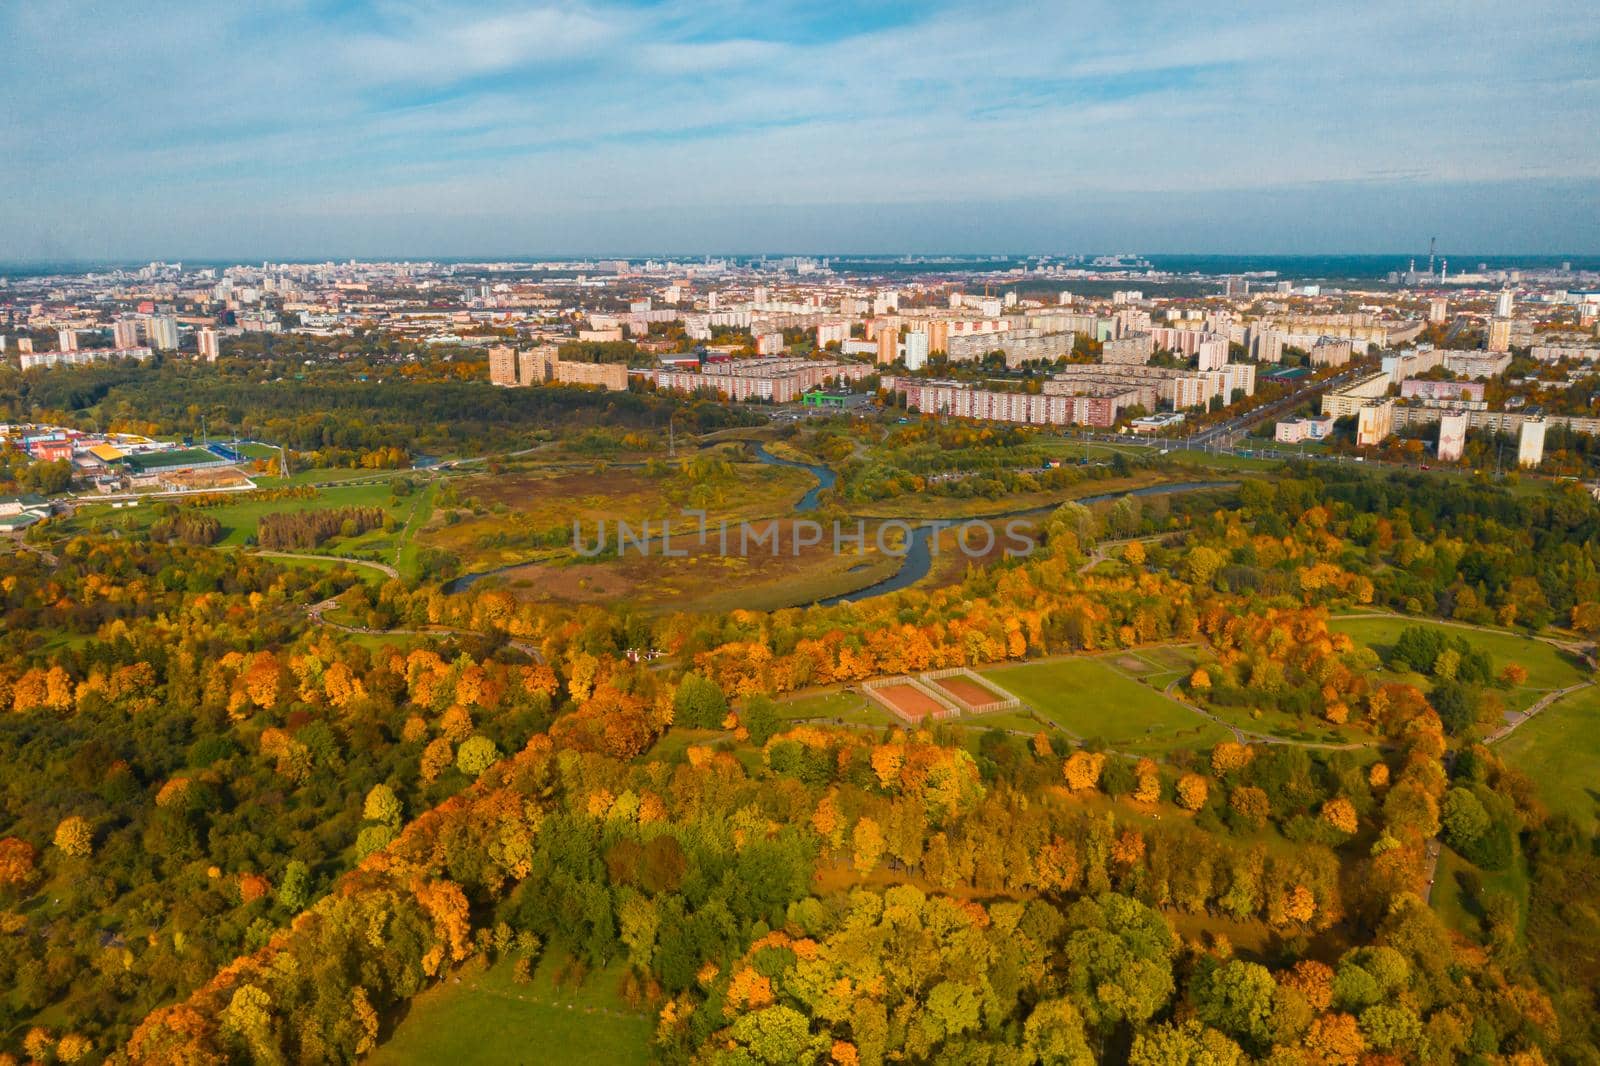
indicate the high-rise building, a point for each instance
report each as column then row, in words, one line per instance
column 888, row 345
column 1504, row 303
column 1374, row 422
column 163, row 331
column 125, row 333
column 1452, row 438
column 916, row 350
column 1530, row 446
column 1499, row 335
column 67, row 340
column 210, row 344
column 503, row 365
column 1438, row 309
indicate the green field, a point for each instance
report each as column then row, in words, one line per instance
column 851, row 708
column 1461, row 912
column 1559, row 749
column 1548, row 667
column 172, row 460
column 1088, row 698
column 488, row 1020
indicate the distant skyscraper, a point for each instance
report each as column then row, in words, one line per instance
column 125, row 333
column 210, row 344
column 163, row 332
column 1504, row 303
column 1438, row 309
column 67, row 340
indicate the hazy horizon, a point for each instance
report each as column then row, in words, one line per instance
column 288, row 129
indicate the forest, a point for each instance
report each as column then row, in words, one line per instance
column 231, row 832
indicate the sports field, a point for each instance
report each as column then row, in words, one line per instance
column 968, row 691
column 173, row 460
column 908, row 701
column 1087, row 698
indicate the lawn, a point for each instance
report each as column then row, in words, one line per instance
column 1548, row 667
column 851, row 708
column 240, row 517
column 1461, row 912
column 1559, row 749
column 1278, row 723
column 489, row 1020
column 1088, row 698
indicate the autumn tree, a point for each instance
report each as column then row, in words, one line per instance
column 1192, row 792
column 74, row 837
column 1082, row 769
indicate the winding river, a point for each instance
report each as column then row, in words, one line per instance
column 918, row 558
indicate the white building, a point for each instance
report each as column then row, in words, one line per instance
column 163, row 331
column 1452, row 438
column 125, row 333
column 1530, row 445
column 915, row 350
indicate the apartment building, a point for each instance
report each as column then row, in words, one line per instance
column 1099, row 408
column 1133, row 350
column 1341, row 403
column 772, row 380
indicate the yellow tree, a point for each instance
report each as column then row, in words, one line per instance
column 868, row 842
column 1192, row 792
column 74, row 837
column 1082, row 769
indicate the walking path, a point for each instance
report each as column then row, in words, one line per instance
column 385, row 568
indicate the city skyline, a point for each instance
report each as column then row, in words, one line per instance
column 390, row 129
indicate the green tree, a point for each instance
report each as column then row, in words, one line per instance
column 1462, row 817
column 699, row 703
column 1188, row 1044
column 477, row 754
column 1236, row 998
column 294, row 891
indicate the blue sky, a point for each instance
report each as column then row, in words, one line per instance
column 398, row 127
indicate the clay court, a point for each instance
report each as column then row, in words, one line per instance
column 908, row 701
column 968, row 691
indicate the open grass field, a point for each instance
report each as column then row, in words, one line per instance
column 240, row 517
column 488, row 1020
column 516, row 516
column 1278, row 723
column 908, row 700
column 1548, row 667
column 852, row 708
column 1013, row 721
column 1088, row 698
column 1559, row 749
